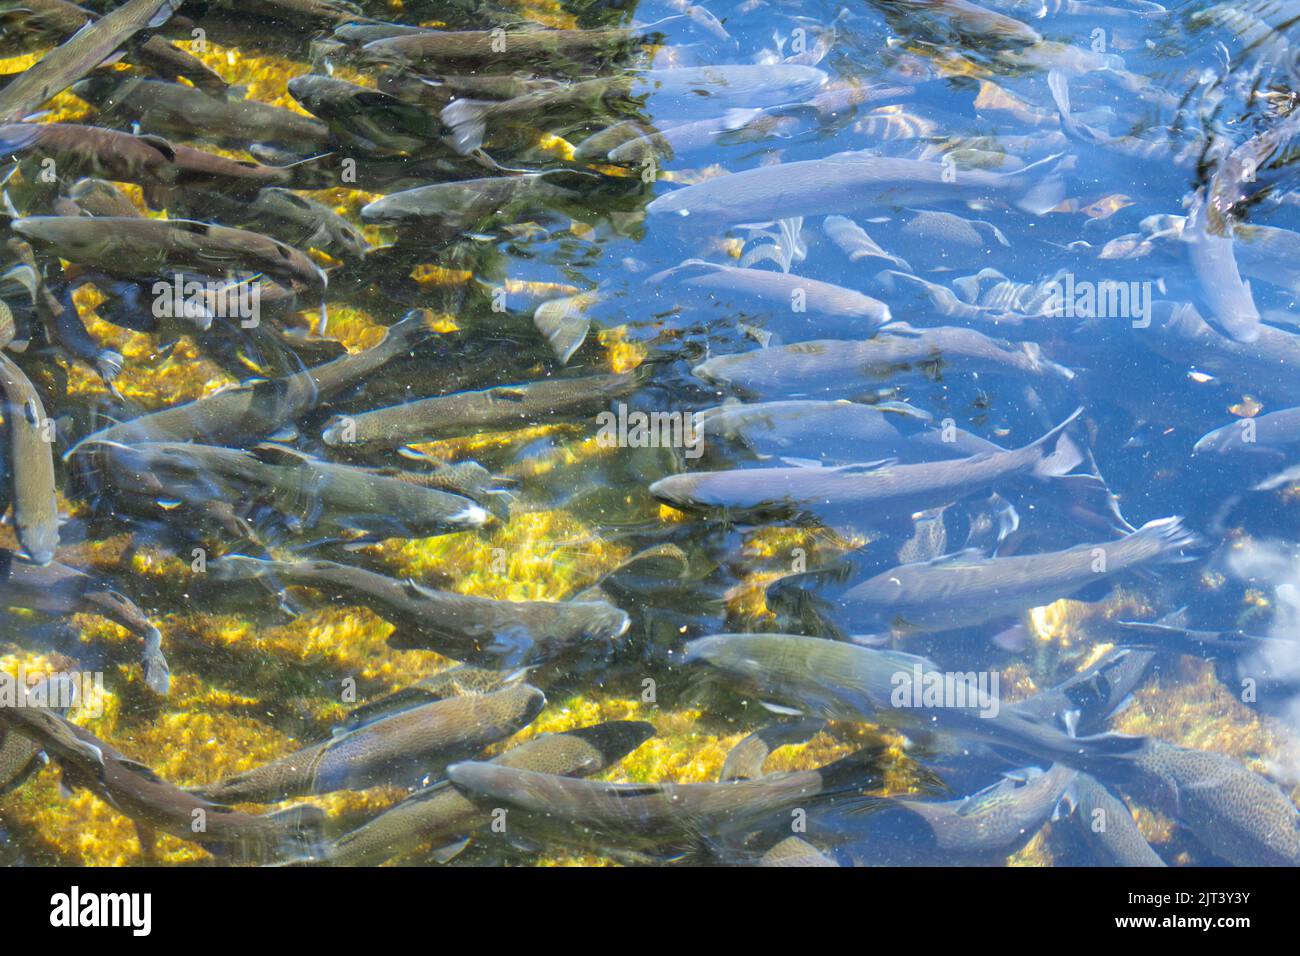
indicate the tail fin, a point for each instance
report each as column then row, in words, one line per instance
column 1065, row 455
column 1170, row 537
column 1043, row 185
column 468, row 122
column 290, row 835
column 1035, row 353
column 408, row 332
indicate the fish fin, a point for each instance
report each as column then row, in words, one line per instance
column 1044, row 186
column 781, row 709
column 148, row 838
column 446, row 854
column 467, row 120
column 160, row 144
column 1065, row 456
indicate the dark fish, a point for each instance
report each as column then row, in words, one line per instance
column 1084, row 703
column 304, row 491
column 980, row 830
column 87, row 49
column 376, row 121
column 657, row 818
column 256, row 409
column 448, row 209
column 465, row 413
column 20, row 757
column 398, row 750
column 59, row 590
column 440, row 50
column 458, row 625
column 838, row 680
column 135, row 791
column 31, row 451
column 301, row 222
column 441, row 812
column 151, row 247
column 172, row 109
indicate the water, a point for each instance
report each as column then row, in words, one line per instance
column 255, row 676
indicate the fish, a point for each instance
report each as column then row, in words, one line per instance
column 872, row 494
column 172, row 109
column 294, row 219
column 59, row 590
column 443, row 50
column 1108, row 826
column 1269, row 365
column 135, row 247
column 684, row 92
column 824, row 304
column 303, row 492
column 31, row 450
column 662, row 819
column 457, row 207
column 499, row 408
column 1231, row 304
column 839, row 680
column 833, row 368
column 20, row 756
column 1237, row 814
column 80, row 54
column 982, row 829
column 795, row 851
column 258, row 408
column 1271, row 432
column 376, row 121
column 397, row 750
column 442, row 812
column 1085, row 702
column 463, row 626
column 854, row 182
column 153, row 804
column 836, row 432
column 746, row 760
column 968, row 589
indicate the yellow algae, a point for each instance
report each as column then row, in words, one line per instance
column 470, row 446
column 624, row 355
column 1034, row 853
column 355, row 329
column 537, row 556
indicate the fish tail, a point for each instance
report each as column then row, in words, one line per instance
column 1064, row 455
column 1042, row 184
column 293, row 834
column 1171, row 539
column 409, row 331
column 1043, row 364
column 467, row 120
